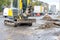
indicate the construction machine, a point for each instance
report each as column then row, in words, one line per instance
column 18, row 13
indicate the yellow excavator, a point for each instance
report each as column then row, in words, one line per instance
column 18, row 13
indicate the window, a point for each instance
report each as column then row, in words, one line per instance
column 15, row 3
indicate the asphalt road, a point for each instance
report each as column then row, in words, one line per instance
column 14, row 33
column 27, row 33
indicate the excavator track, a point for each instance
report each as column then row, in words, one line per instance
column 18, row 23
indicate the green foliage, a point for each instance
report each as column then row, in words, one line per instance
column 4, row 3
column 0, row 9
column 37, row 3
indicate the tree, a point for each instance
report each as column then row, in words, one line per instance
column 4, row 3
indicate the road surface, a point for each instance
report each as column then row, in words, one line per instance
column 27, row 33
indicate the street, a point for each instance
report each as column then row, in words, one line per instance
column 29, row 19
column 27, row 33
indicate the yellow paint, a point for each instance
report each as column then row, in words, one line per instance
column 40, row 8
column 28, row 2
column 20, row 4
column 10, row 13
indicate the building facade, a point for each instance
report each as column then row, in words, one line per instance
column 53, row 9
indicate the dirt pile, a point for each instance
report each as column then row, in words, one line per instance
column 47, row 25
column 47, row 17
